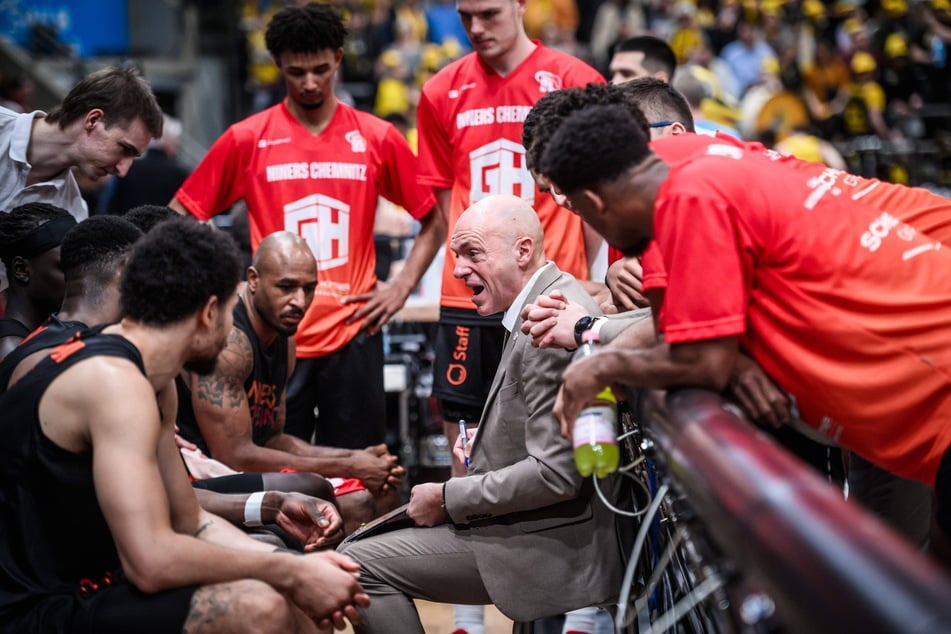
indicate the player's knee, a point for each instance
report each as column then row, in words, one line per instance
column 266, row 611
column 356, row 509
column 247, row 606
column 310, row 484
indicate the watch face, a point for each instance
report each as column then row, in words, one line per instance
column 581, row 326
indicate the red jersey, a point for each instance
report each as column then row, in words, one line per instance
column 470, row 140
column 322, row 187
column 847, row 307
column 927, row 212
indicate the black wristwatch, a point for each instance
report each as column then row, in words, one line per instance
column 581, row 326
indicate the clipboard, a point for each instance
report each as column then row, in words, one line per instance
column 394, row 520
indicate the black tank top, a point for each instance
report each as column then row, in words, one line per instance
column 53, row 536
column 52, row 333
column 264, row 387
column 10, row 327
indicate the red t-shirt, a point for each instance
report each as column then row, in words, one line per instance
column 927, row 212
column 845, row 306
column 470, row 140
column 322, row 187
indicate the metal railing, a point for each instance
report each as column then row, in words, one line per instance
column 773, row 544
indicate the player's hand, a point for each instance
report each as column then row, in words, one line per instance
column 181, row 443
column 425, row 504
column 324, row 586
column 314, row 522
column 395, row 478
column 550, row 321
column 380, row 305
column 377, row 468
column 756, row 393
column 580, row 383
column 624, row 278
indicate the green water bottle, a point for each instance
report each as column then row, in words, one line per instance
column 595, row 433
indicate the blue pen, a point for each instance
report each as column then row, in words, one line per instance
column 464, row 437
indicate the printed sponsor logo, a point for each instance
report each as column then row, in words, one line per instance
column 324, row 223
column 824, row 183
column 499, row 168
column 356, row 141
column 720, row 149
column 315, row 170
column 491, row 116
column 266, row 142
column 456, row 372
column 454, row 94
column 877, row 231
column 547, row 81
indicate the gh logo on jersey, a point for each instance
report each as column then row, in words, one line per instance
column 499, row 168
column 324, row 223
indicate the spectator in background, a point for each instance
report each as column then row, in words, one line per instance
column 443, row 24
column 746, row 54
column 687, row 35
column 864, row 111
column 642, row 56
column 545, row 20
column 694, row 92
column 152, row 179
column 614, row 21
column 825, row 83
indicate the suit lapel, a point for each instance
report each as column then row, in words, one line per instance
column 549, row 275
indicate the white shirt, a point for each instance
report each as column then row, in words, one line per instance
column 61, row 190
column 511, row 315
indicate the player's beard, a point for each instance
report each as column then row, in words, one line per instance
column 202, row 366
column 311, row 105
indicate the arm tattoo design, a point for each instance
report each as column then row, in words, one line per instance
column 202, row 528
column 225, row 386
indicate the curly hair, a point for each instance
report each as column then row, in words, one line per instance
column 120, row 92
column 305, row 29
column 550, row 111
column 20, row 222
column 175, row 269
column 97, row 247
column 145, row 217
column 582, row 155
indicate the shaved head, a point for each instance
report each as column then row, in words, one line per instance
column 282, row 279
column 279, row 247
column 499, row 244
column 508, row 217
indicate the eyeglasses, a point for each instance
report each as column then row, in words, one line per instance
column 664, row 124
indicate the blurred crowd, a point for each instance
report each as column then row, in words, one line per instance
column 771, row 69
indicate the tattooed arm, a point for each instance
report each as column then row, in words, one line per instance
column 223, row 414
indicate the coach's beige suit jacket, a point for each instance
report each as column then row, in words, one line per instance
column 543, row 541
